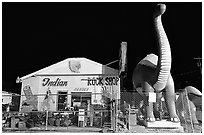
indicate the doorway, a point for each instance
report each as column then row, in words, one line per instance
column 62, row 100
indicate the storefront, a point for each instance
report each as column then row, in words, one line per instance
column 69, row 83
column 10, row 101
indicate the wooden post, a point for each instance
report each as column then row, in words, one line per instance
column 46, row 122
column 187, row 100
column 199, row 64
column 128, row 121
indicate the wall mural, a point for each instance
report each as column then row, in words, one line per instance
column 48, row 100
column 74, row 66
column 31, row 100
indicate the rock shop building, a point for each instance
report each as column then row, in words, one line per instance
column 69, row 83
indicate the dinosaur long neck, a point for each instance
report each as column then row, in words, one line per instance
column 164, row 58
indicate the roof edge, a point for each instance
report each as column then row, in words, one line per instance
column 37, row 73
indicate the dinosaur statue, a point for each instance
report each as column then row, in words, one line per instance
column 195, row 105
column 153, row 72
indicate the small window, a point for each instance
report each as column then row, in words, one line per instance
column 62, row 100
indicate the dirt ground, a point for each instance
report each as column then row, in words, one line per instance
column 136, row 129
column 196, row 128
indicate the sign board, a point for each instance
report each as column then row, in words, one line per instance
column 81, row 118
column 152, row 97
column 81, row 111
column 27, row 91
column 109, row 85
column 77, row 104
column 123, row 57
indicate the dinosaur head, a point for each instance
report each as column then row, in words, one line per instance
column 192, row 90
column 159, row 10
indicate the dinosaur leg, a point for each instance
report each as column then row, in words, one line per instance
column 158, row 107
column 170, row 98
column 148, row 105
column 193, row 112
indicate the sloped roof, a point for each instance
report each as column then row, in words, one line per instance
column 85, row 66
column 8, row 93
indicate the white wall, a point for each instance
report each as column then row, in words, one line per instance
column 39, row 85
column 6, row 98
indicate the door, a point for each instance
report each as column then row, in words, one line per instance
column 62, row 101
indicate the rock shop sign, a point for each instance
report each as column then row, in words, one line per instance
column 56, row 82
column 109, row 85
column 101, row 81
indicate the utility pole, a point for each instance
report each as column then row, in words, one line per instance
column 199, row 63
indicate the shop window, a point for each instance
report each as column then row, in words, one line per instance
column 80, row 98
column 62, row 101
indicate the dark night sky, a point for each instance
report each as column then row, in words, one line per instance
column 37, row 35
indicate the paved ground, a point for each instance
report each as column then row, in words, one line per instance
column 54, row 129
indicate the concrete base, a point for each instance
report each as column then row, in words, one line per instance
column 163, row 124
column 138, row 129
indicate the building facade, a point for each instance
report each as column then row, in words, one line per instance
column 69, row 83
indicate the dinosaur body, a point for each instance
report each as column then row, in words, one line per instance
column 153, row 72
column 191, row 106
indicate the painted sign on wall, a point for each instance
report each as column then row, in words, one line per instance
column 81, row 89
column 57, row 82
column 101, row 81
column 31, row 100
column 108, row 85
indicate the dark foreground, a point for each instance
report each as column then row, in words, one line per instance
column 53, row 129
